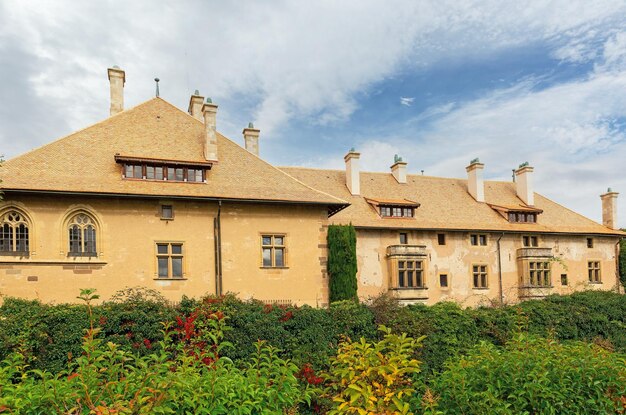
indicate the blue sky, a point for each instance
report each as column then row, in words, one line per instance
column 437, row 82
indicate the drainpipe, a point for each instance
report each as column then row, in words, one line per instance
column 217, row 237
column 500, row 270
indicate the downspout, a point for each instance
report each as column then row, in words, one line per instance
column 217, row 238
column 500, row 270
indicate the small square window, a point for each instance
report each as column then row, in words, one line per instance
column 441, row 238
column 477, row 240
column 589, row 242
column 563, row 279
column 443, row 280
column 273, row 250
column 167, row 212
column 404, row 238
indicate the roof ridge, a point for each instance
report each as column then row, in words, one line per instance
column 81, row 130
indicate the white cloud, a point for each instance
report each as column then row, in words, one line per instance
column 407, row 101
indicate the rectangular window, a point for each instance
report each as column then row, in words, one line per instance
column 530, row 241
column 539, row 274
column 167, row 212
column 479, row 275
column 410, row 274
column 273, row 251
column 441, row 238
column 563, row 279
column 589, row 242
column 171, row 173
column 385, row 211
column 443, row 280
column 404, row 238
column 194, row 175
column 134, row 171
column 169, row 260
column 522, row 217
column 478, row 240
column 154, row 172
column 397, row 212
column 593, row 269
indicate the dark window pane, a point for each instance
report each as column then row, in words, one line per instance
column 443, row 280
column 137, row 173
column 401, row 279
column 267, row 240
column 483, row 240
column 128, row 170
column 158, row 173
column 177, row 267
column 474, row 239
column 191, row 175
column 162, row 248
column 167, row 212
column 75, row 239
column 267, row 257
column 279, row 240
column 279, row 257
column 21, row 238
column 90, row 239
column 150, row 172
column 6, row 244
column 163, row 265
column 441, row 238
column 179, row 175
column 177, row 249
column 409, row 279
column 418, row 279
column 404, row 239
column 401, row 264
column 171, row 174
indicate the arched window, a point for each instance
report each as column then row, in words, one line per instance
column 14, row 234
column 82, row 236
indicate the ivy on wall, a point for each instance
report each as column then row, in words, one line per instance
column 342, row 266
column 622, row 261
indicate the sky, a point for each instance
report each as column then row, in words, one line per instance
column 437, row 82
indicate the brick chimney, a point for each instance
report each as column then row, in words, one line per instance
column 353, row 181
column 475, row 184
column 398, row 169
column 209, row 113
column 117, row 78
column 609, row 209
column 195, row 105
column 524, row 183
column 251, row 138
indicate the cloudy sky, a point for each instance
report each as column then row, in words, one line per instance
column 437, row 82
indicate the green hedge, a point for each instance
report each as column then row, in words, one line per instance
column 49, row 334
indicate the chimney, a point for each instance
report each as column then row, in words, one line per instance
column 117, row 78
column 524, row 183
column 398, row 169
column 251, row 138
column 609, row 209
column 195, row 105
column 475, row 184
column 352, row 171
column 209, row 112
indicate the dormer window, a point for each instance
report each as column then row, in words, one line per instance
column 165, row 170
column 518, row 214
column 388, row 208
column 522, row 217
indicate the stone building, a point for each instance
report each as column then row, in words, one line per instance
column 156, row 197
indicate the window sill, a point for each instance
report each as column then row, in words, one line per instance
column 408, row 288
column 594, row 282
column 70, row 255
column 480, row 288
column 170, row 279
column 23, row 254
column 274, row 267
column 167, row 219
column 537, row 287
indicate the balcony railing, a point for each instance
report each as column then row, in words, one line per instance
column 406, row 250
column 534, row 253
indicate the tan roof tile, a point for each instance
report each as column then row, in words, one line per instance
column 85, row 161
column 444, row 204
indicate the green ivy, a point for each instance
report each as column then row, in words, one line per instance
column 342, row 262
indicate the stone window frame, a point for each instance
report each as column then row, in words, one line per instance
column 82, row 230
column 447, row 277
column 417, row 271
column 272, row 247
column 594, row 266
column 441, row 239
column 23, row 221
column 590, row 242
column 477, row 272
column 170, row 254
column 68, row 220
column 539, row 274
column 527, row 241
column 478, row 237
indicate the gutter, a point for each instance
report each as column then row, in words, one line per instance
column 217, row 238
column 500, row 270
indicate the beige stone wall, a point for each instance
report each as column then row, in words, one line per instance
column 128, row 230
column 457, row 256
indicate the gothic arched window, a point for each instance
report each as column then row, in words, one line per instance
column 82, row 236
column 14, row 233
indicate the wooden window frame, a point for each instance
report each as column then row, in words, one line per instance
column 273, row 247
column 395, row 211
column 477, row 274
column 183, row 177
column 417, row 273
column 170, row 255
column 594, row 271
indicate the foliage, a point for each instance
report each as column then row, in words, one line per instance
column 372, row 378
column 622, row 261
column 533, row 375
column 342, row 262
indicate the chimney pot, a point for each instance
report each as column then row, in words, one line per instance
column 353, row 181
column 609, row 209
column 195, row 105
column 398, row 169
column 524, row 183
column 475, row 183
column 209, row 113
column 251, row 139
column 117, row 79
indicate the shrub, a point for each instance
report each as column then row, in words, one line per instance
column 342, row 262
column 533, row 375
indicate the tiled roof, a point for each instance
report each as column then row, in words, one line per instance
column 444, row 204
column 85, row 161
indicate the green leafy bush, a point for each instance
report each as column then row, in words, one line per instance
column 533, row 375
column 342, row 262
